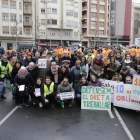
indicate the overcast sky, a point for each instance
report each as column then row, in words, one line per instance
column 138, row 1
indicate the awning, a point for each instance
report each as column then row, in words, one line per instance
column 25, row 45
column 41, row 44
column 53, row 45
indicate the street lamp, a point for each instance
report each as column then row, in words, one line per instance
column 118, row 30
column 50, row 30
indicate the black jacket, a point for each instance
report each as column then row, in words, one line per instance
column 28, row 81
column 79, row 87
column 34, row 73
column 13, row 75
column 67, row 58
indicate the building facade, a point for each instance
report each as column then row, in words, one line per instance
column 135, row 22
column 17, row 23
column 58, row 21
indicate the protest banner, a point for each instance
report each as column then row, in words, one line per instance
column 73, row 47
column 42, row 63
column 96, row 98
column 111, row 84
column 122, row 97
column 66, row 95
column 136, row 88
column 124, row 48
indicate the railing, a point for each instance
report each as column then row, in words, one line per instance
column 28, row 23
column 4, row 5
column 12, row 19
column 13, row 7
column 27, row 11
column 5, row 32
column 5, row 19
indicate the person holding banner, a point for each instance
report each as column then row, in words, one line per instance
column 117, row 77
column 62, row 88
column 95, row 82
column 83, row 82
column 128, row 80
column 48, row 92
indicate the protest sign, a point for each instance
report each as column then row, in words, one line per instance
column 111, row 84
column 124, row 48
column 73, row 47
column 136, row 88
column 66, row 95
column 96, row 98
column 137, row 41
column 42, row 63
column 38, row 93
column 122, row 97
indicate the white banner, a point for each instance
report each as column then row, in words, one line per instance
column 111, row 84
column 42, row 63
column 137, row 41
column 123, row 98
column 73, row 47
column 136, row 88
column 66, row 95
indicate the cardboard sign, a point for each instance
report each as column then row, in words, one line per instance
column 96, row 98
column 42, row 63
column 136, row 88
column 111, row 84
column 66, row 95
column 73, row 47
column 123, row 98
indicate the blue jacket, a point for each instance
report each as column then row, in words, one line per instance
column 26, row 62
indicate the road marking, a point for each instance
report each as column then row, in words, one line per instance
column 123, row 124
column 111, row 114
column 8, row 115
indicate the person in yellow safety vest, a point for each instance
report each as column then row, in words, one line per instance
column 89, row 53
column 4, row 68
column 138, row 51
column 48, row 91
column 133, row 51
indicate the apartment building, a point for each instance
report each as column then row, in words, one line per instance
column 16, row 26
column 95, row 22
column 135, row 22
column 58, row 20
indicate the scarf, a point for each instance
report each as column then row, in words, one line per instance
column 98, row 62
column 55, row 73
column 79, row 69
column 126, row 61
column 21, row 76
column 83, row 63
column 106, row 63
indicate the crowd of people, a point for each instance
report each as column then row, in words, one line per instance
column 65, row 71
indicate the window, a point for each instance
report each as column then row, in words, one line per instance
column 69, row 13
column 43, row 22
column 43, row 32
column 20, row 32
column 13, row 30
column 75, row 14
column 93, row 23
column 101, row 16
column 5, row 30
column 27, row 21
column 27, row 31
column 12, row 4
column 101, row 8
column 20, row 6
column 27, row 8
column 52, row 33
column 67, row 34
column 101, row 32
column 102, row 1
column 5, row 17
column 43, row 10
column 76, row 4
column 12, row 17
column 43, row 1
column 93, row 6
column 52, row 10
column 93, row 15
column 20, row 18
column 53, row 21
column 69, row 23
column 69, row 2
column 75, row 24
column 101, row 24
column 54, row 1
column 5, row 4
column 75, row 34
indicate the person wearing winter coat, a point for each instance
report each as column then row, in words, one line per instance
column 1, row 51
column 14, row 72
column 128, row 61
column 48, row 92
column 95, row 82
column 23, row 78
column 85, row 65
column 27, row 60
column 127, row 71
column 64, row 72
column 120, row 60
column 57, row 60
column 111, row 68
column 117, row 77
column 77, row 71
column 97, row 66
column 62, row 88
column 83, row 82
column 37, row 56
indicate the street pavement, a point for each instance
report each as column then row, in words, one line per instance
column 34, row 123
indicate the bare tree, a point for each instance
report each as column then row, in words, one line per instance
column 38, row 32
column 80, row 33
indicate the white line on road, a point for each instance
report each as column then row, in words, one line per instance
column 111, row 114
column 123, row 124
column 8, row 115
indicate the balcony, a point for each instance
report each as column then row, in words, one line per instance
column 27, row 23
column 84, row 16
column 4, row 5
column 14, row 20
column 102, row 11
column 29, row 12
column 84, row 8
column 5, row 32
column 84, row 25
column 7, row 19
column 102, row 2
column 94, row 1
column 27, row 1
column 84, row 0
column 12, row 7
column 85, row 33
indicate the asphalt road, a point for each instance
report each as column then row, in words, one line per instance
column 34, row 123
